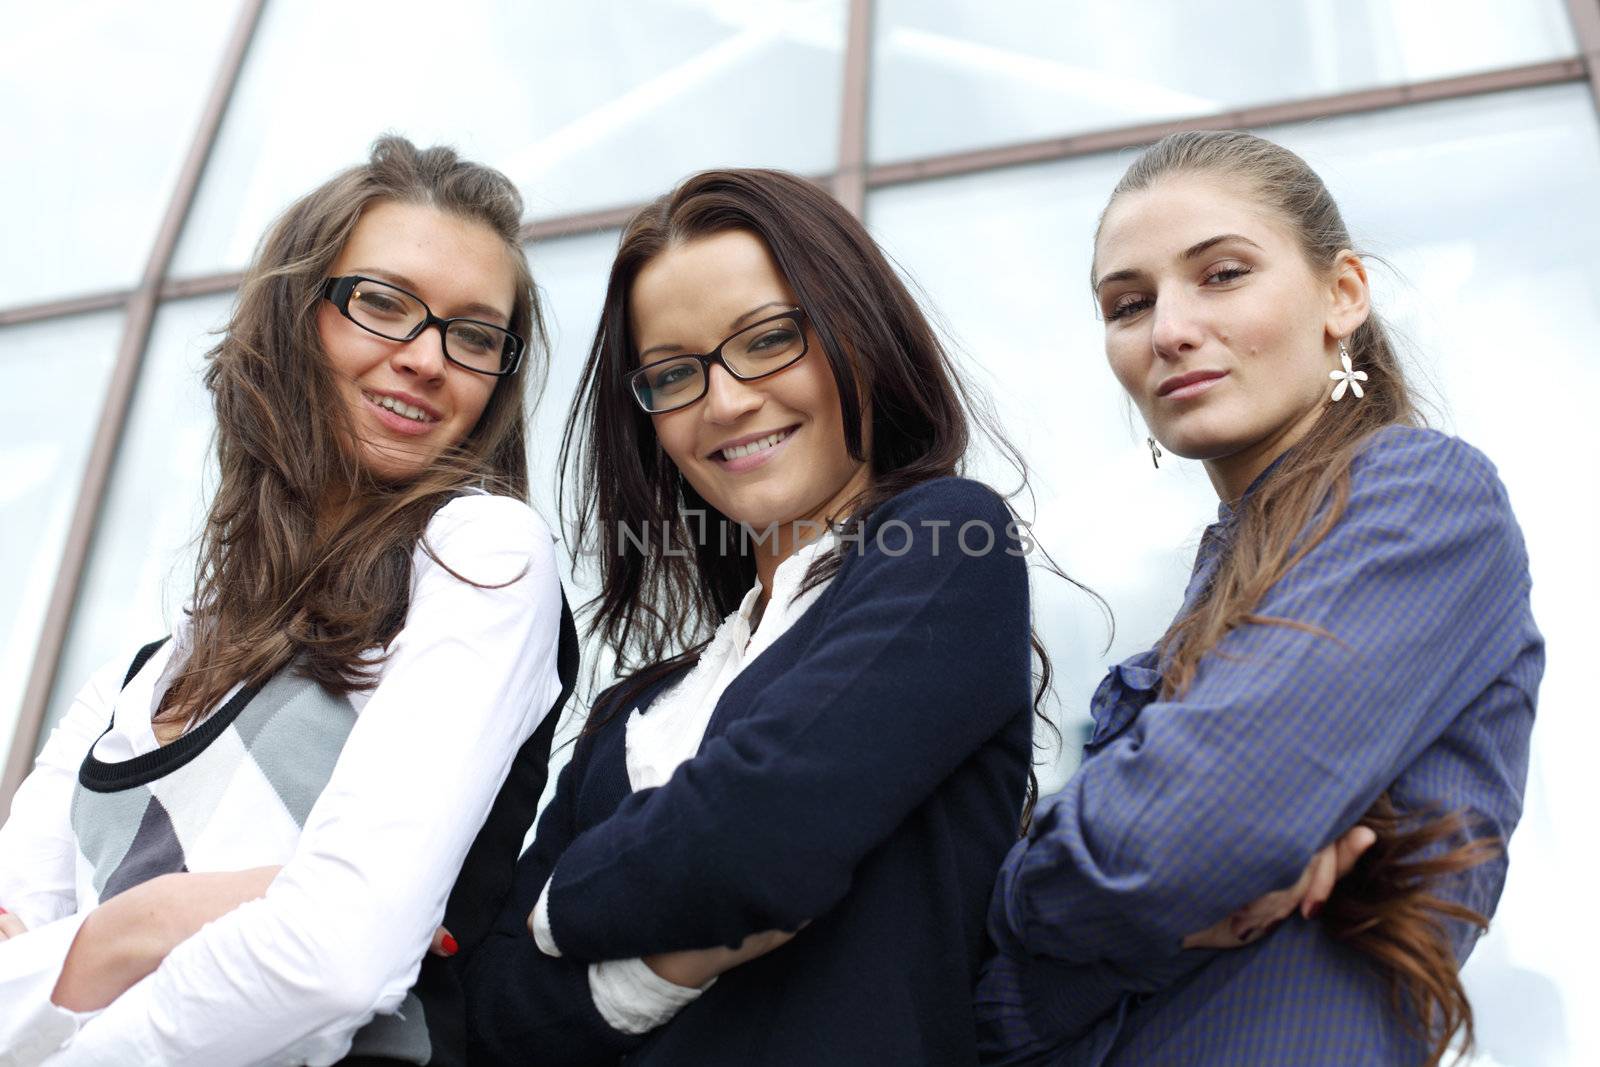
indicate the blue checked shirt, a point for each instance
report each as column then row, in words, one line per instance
column 1184, row 810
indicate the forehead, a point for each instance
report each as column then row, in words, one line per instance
column 691, row 291
column 1144, row 228
column 449, row 260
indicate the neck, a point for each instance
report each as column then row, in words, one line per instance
column 1232, row 474
column 794, row 534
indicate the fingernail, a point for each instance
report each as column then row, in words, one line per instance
column 448, row 944
column 1315, row 909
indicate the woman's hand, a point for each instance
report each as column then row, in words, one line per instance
column 129, row 935
column 693, row 968
column 10, row 925
column 1306, row 896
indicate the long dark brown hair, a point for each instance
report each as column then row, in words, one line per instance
column 273, row 582
column 1387, row 908
column 657, row 607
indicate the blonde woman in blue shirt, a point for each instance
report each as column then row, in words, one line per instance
column 1355, row 644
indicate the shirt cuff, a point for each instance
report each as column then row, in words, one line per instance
column 539, row 924
column 31, row 1025
column 634, row 999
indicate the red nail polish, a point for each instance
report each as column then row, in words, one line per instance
column 448, row 944
column 1315, row 909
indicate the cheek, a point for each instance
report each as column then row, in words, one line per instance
column 676, row 435
column 473, row 402
column 815, row 393
column 1123, row 357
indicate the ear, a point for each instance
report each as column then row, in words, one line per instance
column 1349, row 295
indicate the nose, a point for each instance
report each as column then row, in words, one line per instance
column 1175, row 329
column 728, row 399
column 422, row 357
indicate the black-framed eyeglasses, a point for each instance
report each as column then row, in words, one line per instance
column 762, row 348
column 397, row 315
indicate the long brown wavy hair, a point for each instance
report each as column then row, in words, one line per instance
column 275, row 582
column 1387, row 907
column 657, row 608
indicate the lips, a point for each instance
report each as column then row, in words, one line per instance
column 1190, row 383
column 752, row 450
column 401, row 414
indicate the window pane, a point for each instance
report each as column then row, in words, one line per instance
column 959, row 74
column 584, row 105
column 1485, row 206
column 571, row 274
column 87, row 166
column 55, row 375
column 141, row 566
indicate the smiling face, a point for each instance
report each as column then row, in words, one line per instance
column 763, row 452
column 407, row 403
column 1216, row 325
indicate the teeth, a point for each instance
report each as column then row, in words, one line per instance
column 740, row 451
column 389, row 403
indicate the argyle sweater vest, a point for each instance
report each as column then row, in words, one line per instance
column 234, row 793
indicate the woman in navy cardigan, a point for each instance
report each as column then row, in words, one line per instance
column 777, row 847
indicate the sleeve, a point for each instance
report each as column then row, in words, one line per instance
column 38, row 852
column 1402, row 614
column 518, row 998
column 38, row 874
column 923, row 657
column 340, row 934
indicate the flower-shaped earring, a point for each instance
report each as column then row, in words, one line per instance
column 1347, row 378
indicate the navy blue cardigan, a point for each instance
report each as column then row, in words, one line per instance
column 865, row 773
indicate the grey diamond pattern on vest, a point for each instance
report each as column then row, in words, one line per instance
column 154, row 851
column 263, row 772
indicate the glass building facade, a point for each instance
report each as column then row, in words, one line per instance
column 150, row 146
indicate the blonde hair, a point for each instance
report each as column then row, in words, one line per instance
column 1386, row 909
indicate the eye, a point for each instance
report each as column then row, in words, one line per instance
column 778, row 338
column 673, row 377
column 1225, row 273
column 1127, row 304
column 478, row 340
column 379, row 303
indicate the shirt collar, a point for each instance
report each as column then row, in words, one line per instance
column 786, row 580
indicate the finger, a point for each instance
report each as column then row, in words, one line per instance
column 10, row 925
column 1350, row 847
column 1326, row 873
column 443, row 944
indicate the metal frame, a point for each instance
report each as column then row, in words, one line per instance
column 1586, row 28
column 141, row 310
column 851, row 180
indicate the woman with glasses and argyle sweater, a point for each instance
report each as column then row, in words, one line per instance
column 238, row 849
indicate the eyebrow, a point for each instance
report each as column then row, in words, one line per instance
column 1196, row 249
column 472, row 310
column 733, row 327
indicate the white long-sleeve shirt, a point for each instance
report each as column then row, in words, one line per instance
column 341, row 932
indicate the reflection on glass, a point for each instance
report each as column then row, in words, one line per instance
column 141, row 565
column 957, row 74
column 571, row 273
column 55, row 374
column 1485, row 207
column 584, row 105
column 89, row 166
